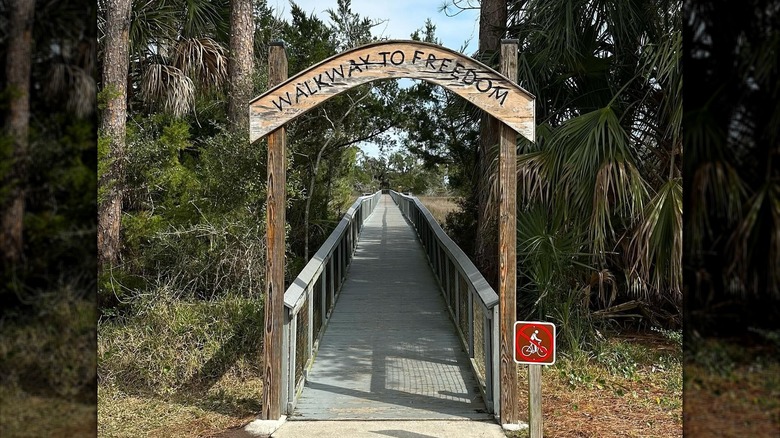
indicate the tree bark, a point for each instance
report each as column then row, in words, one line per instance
column 112, row 128
column 240, row 64
column 492, row 25
column 18, row 62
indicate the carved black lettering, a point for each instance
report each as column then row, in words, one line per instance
column 430, row 60
column 500, row 93
column 393, row 57
column 365, row 61
column 332, row 75
column 444, row 64
column 384, row 58
column 482, row 81
column 288, row 101
column 457, row 70
column 466, row 79
column 353, row 67
column 309, row 88
column 320, row 84
column 298, row 93
column 416, row 56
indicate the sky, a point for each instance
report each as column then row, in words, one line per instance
column 400, row 19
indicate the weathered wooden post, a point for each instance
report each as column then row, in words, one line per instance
column 507, row 257
column 274, row 267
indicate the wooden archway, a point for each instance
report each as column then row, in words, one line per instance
column 469, row 78
column 493, row 92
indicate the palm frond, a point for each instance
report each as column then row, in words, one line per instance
column 202, row 59
column 755, row 244
column 75, row 85
column 717, row 190
column 618, row 188
column 597, row 173
column 168, row 87
column 656, row 247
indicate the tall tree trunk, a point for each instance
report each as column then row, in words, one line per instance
column 240, row 64
column 492, row 24
column 18, row 75
column 112, row 127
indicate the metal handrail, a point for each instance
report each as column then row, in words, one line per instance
column 328, row 268
column 451, row 265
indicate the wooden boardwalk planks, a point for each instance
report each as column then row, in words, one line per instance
column 390, row 350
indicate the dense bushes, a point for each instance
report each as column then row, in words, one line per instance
column 194, row 221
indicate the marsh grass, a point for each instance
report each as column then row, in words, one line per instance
column 440, row 206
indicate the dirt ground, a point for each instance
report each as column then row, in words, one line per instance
column 732, row 389
column 608, row 397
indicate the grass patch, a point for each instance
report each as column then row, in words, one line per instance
column 179, row 368
column 23, row 415
column 47, row 367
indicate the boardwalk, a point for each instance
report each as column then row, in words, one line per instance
column 390, row 350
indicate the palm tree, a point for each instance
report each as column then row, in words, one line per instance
column 732, row 179
column 240, row 65
column 18, row 64
column 177, row 49
column 609, row 108
column 116, row 48
column 492, row 27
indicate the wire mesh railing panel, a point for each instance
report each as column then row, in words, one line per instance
column 463, row 306
column 479, row 336
column 302, row 341
column 317, row 310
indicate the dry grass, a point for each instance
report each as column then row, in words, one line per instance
column 24, row 415
column 440, row 206
column 47, row 367
column 232, row 401
column 183, row 369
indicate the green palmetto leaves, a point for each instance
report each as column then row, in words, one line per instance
column 593, row 165
column 608, row 82
column 761, row 221
column 176, row 51
column 656, row 248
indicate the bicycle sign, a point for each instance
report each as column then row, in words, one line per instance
column 534, row 343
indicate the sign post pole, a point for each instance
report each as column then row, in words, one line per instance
column 535, row 401
column 507, row 256
column 274, row 268
column 534, row 346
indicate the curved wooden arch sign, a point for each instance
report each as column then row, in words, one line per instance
column 470, row 79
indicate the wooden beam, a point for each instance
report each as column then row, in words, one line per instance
column 507, row 270
column 469, row 78
column 535, row 401
column 274, row 267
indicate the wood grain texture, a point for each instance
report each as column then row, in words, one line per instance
column 470, row 79
column 274, row 268
column 535, row 401
column 507, row 269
